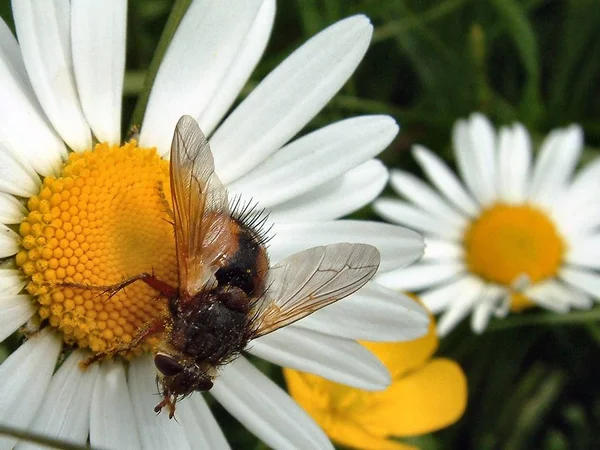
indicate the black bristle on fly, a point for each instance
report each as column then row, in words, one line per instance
column 253, row 217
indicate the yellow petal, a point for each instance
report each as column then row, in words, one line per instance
column 426, row 400
column 339, row 410
column 402, row 357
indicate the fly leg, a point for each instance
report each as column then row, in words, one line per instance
column 154, row 326
column 163, row 288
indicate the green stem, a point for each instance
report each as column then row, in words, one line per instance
column 40, row 439
column 574, row 318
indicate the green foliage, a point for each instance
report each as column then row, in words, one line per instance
column 533, row 379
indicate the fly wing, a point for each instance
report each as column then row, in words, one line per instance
column 200, row 207
column 310, row 280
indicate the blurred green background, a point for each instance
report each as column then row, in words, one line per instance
column 533, row 378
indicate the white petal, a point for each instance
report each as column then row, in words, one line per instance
column 337, row 359
column 419, row 193
column 585, row 280
column 470, row 293
column 8, row 241
column 316, row 158
column 374, row 313
column 439, row 249
column 98, row 43
column 403, row 213
column 15, row 310
column 398, row 246
column 10, row 53
column 439, row 298
column 112, row 422
column 11, row 209
column 551, row 295
column 585, row 252
column 155, row 431
column 577, row 209
column 195, row 65
column 200, row 425
column 420, row 276
column 445, row 180
column 44, row 36
column 265, row 409
column 336, row 198
column 474, row 144
column 289, row 97
column 485, row 307
column 65, row 410
column 555, row 163
column 243, row 64
column 514, row 161
column 11, row 281
column 25, row 377
column 24, row 129
column 16, row 175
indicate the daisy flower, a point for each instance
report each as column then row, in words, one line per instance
column 517, row 233
column 426, row 395
column 78, row 205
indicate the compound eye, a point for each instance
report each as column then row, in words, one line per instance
column 167, row 365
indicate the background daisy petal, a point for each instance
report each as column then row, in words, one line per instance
column 331, row 200
column 475, row 146
column 195, row 65
column 25, row 376
column 549, row 294
column 98, row 46
column 374, row 313
column 419, row 193
column 112, row 422
column 420, row 276
column 485, row 307
column 439, row 298
column 316, row 158
column 289, row 97
column 514, row 161
column 266, row 410
column 11, row 281
column 441, row 250
column 404, row 213
column 155, row 431
column 585, row 280
column 555, row 163
column 65, row 411
column 43, row 30
column 445, row 180
column 337, row 359
column 470, row 293
column 398, row 246
column 200, row 425
column 15, row 310
column 585, row 252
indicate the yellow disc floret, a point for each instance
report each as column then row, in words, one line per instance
column 105, row 219
column 509, row 241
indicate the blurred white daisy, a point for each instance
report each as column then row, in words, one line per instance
column 518, row 234
column 94, row 216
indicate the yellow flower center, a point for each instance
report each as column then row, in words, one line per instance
column 508, row 241
column 102, row 221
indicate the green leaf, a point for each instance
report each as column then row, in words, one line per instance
column 523, row 36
